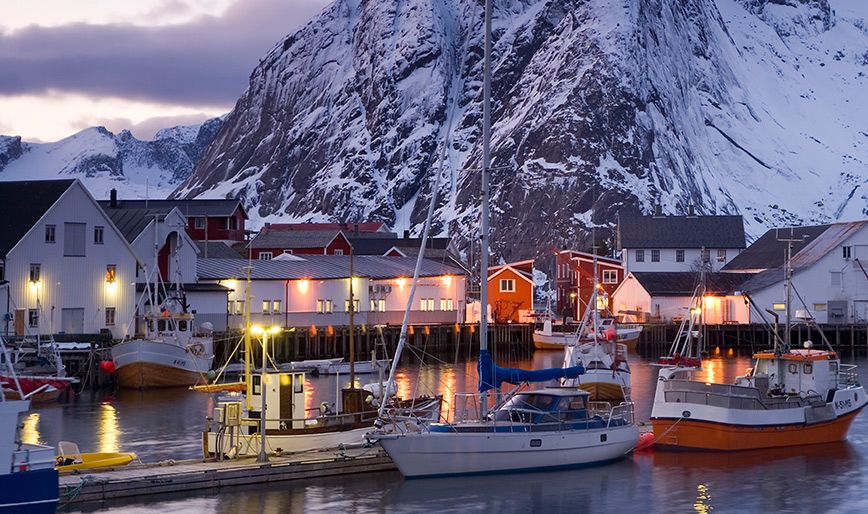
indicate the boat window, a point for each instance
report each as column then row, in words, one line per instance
column 793, row 368
column 531, row 401
column 161, row 325
column 808, row 368
column 833, row 368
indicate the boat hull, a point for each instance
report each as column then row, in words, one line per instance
column 603, row 388
column 237, row 444
column 150, row 364
column 553, row 341
column 29, row 492
column 428, row 454
column 100, row 460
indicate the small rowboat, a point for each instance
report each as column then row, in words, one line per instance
column 70, row 459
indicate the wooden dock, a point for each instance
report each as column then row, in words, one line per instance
column 202, row 475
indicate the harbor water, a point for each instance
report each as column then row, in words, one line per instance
column 166, row 425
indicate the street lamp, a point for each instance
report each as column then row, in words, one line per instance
column 263, row 455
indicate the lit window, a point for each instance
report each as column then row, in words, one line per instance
column 507, row 285
column 382, row 304
column 50, row 233
column 655, row 255
column 265, row 256
column 324, row 306
column 230, row 305
column 239, row 307
column 446, row 304
column 266, row 306
column 35, row 272
column 427, row 304
column 98, row 233
column 275, row 306
column 109, row 316
column 779, row 306
column 640, row 255
column 110, row 273
column 819, row 306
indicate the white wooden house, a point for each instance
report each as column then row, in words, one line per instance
column 158, row 234
column 66, row 267
column 314, row 290
column 666, row 297
column 830, row 272
column 675, row 243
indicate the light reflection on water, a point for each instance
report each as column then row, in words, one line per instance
column 161, row 425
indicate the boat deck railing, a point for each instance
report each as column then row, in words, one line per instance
column 730, row 396
column 847, row 375
column 468, row 409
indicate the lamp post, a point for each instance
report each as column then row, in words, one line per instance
column 263, row 455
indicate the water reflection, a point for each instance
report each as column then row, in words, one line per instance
column 30, row 429
column 109, row 434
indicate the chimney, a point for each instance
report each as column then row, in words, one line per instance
column 113, row 203
column 356, row 228
column 658, row 211
column 690, row 211
column 406, row 234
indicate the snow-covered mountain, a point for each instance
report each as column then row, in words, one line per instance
column 755, row 107
column 105, row 161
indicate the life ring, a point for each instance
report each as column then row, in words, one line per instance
column 197, row 349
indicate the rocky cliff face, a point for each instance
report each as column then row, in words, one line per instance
column 748, row 107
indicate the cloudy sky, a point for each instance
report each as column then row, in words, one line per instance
column 142, row 65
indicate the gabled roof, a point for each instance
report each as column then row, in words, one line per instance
column 378, row 243
column 375, row 226
column 24, row 203
column 189, row 208
column 770, row 250
column 131, row 222
column 683, row 283
column 216, row 250
column 294, row 239
column 321, row 267
column 494, row 272
column 681, row 232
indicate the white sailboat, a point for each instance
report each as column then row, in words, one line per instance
column 531, row 430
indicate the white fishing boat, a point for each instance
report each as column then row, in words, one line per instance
column 547, row 339
column 790, row 397
column 625, row 333
column 28, row 480
column 336, row 366
column 534, row 430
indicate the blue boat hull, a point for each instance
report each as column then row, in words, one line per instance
column 29, row 492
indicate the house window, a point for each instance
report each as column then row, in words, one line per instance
column 610, row 276
column 836, row 278
column 230, row 306
column 266, row 306
column 721, row 256
column 275, row 307
column 819, row 306
column 427, row 304
column 265, row 256
column 98, row 233
column 640, row 255
column 324, row 306
column 35, row 272
column 199, row 223
column 507, row 285
column 779, row 306
column 239, row 307
column 378, row 305
column 50, row 233
column 446, row 304
column 73, row 239
column 110, row 316
column 230, row 223
column 339, row 251
column 32, row 318
column 111, row 273
column 846, row 252
column 655, row 255
column 679, row 255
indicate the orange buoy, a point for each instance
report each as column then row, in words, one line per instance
column 646, row 442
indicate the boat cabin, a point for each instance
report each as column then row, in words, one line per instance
column 550, row 405
column 796, row 372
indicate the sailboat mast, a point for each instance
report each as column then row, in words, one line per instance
column 486, row 163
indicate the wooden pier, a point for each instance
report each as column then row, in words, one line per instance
column 201, row 475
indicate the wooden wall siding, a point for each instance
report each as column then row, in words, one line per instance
column 504, row 301
column 74, row 282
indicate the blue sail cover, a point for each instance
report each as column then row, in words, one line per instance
column 492, row 375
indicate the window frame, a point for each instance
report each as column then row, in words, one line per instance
column 509, row 283
column 98, row 235
column 679, row 255
column 110, row 316
column 639, row 255
column 266, row 256
column 51, row 234
column 655, row 255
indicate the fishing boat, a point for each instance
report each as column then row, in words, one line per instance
column 335, row 366
column 547, row 339
column 172, row 351
column 28, row 480
column 790, row 397
column 532, row 430
column 625, row 333
column 69, row 458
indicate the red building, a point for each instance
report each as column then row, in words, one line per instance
column 268, row 244
column 574, row 281
column 510, row 291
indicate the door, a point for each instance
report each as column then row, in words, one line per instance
column 72, row 321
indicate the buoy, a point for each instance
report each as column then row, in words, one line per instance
column 211, row 374
column 610, row 334
column 109, row 366
column 646, row 442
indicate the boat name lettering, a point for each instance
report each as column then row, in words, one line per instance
column 843, row 404
column 180, row 362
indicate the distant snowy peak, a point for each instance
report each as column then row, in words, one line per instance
column 104, row 161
